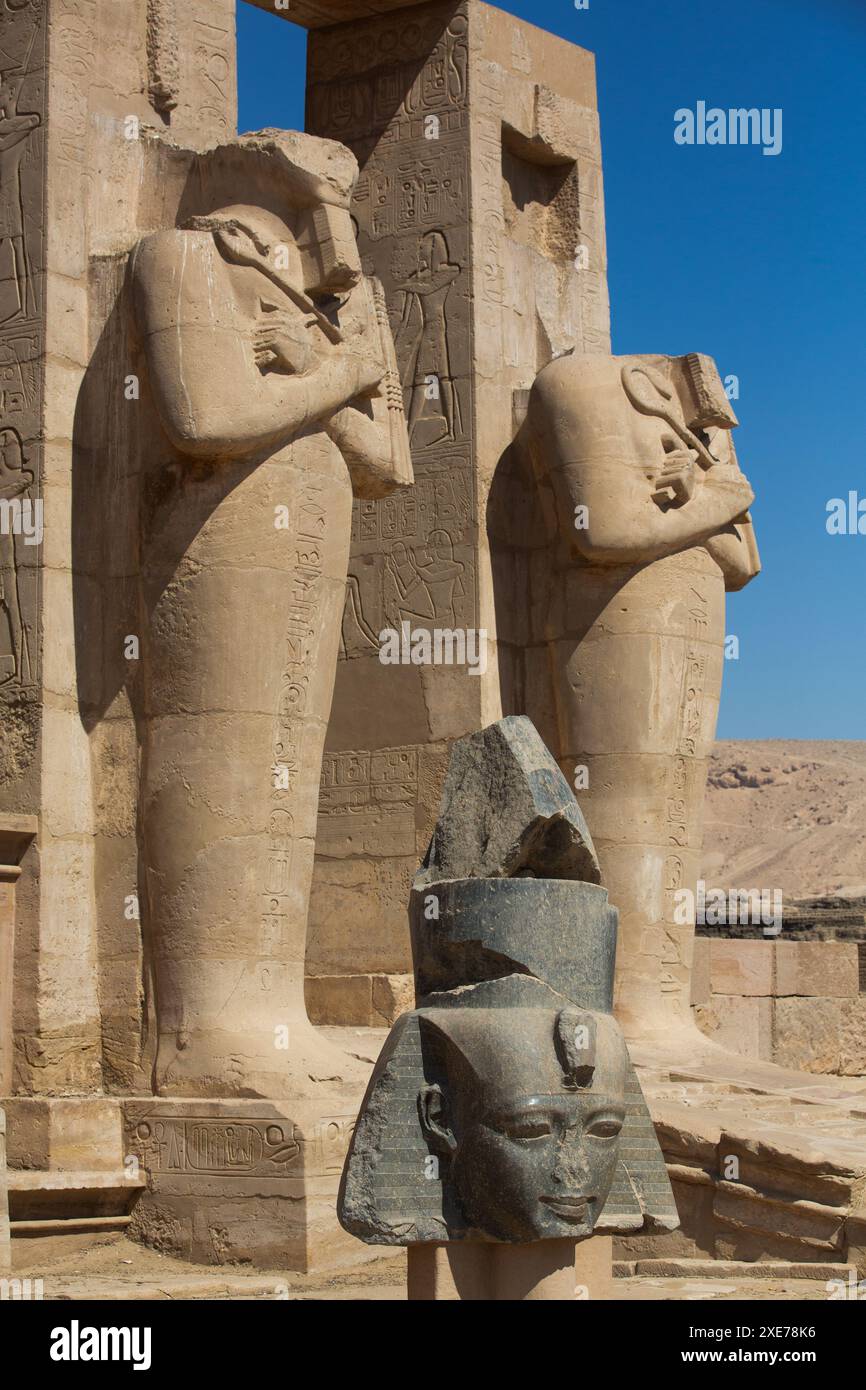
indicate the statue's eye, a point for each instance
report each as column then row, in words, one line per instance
column 530, row 1127
column 604, row 1127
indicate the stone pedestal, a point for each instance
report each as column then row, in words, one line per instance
column 236, row 1181
column 549, row 1270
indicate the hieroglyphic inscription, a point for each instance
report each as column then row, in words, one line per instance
column 207, row 1146
column 680, row 784
column 302, row 617
column 236, row 1148
column 397, row 94
column 23, row 27
column 413, row 557
column 212, row 72
column 367, row 799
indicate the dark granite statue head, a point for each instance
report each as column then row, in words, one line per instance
column 525, row 1116
column 504, row 1107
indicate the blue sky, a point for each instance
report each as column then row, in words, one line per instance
column 759, row 261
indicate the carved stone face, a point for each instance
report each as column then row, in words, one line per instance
column 528, row 1118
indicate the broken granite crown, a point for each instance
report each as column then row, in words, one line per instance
column 505, row 1106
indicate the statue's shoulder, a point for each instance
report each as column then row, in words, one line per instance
column 165, row 272
column 158, row 250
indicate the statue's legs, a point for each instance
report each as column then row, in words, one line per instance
column 242, row 634
column 638, row 678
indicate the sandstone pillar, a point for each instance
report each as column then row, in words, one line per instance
column 477, row 137
column 72, row 167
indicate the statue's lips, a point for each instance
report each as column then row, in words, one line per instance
column 574, row 1209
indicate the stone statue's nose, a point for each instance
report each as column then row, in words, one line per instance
column 571, row 1169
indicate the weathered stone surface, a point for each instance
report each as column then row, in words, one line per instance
column 742, row 967
column 808, row 1167
column 253, row 382
column 65, row 1134
column 508, row 811
column 739, row 1023
column 807, row 1033
column 738, row 1269
column 17, row 833
column 647, row 527
column 826, row 969
column 852, row 1041
column 392, row 996
column 701, row 972
column 237, row 1181
column 514, row 977
column 5, row 1242
column 480, row 925
column 855, row 1231
column 811, row 1222
column 366, row 1001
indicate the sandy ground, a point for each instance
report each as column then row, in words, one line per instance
column 117, row 1269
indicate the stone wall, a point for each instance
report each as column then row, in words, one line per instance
column 801, row 1004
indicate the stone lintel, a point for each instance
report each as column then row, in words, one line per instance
column 320, row 14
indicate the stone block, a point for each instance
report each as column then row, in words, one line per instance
column 807, row 1033
column 823, row 969
column 339, row 1001
column 741, row 967
column 701, row 972
column 855, row 1232
column 740, row 1023
column 393, row 995
column 65, row 1135
column 237, row 1181
column 852, row 1041
column 811, row 1222
column 805, row 1166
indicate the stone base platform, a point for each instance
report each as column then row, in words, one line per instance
column 66, row 1179
column 237, row 1182
column 218, row 1182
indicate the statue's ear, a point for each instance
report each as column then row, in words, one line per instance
column 433, row 1114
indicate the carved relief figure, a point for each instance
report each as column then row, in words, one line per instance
column 16, row 297
column 274, row 379
column 650, row 513
column 426, row 580
column 15, row 480
column 424, row 328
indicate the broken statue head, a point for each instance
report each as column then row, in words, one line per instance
column 504, row 1106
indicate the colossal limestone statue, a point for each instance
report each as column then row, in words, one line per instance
column 647, row 510
column 270, row 364
column 504, row 1108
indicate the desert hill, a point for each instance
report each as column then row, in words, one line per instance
column 787, row 814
